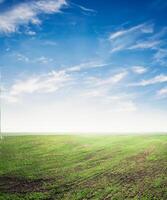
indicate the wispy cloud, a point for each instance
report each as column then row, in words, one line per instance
column 115, row 101
column 21, row 57
column 162, row 93
column 55, row 80
column 86, row 9
column 86, row 65
column 139, row 69
column 44, row 60
column 24, row 58
column 49, row 82
column 145, row 45
column 125, row 38
column 99, row 89
column 160, row 34
column 143, row 28
column 109, row 81
column 31, row 33
column 157, row 79
column 139, row 38
column 160, row 56
column 83, row 8
column 45, row 83
column 27, row 13
column 49, row 42
column 155, row 41
column 104, row 93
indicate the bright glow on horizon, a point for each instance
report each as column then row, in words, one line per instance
column 81, row 117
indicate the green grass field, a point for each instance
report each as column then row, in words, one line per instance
column 83, row 167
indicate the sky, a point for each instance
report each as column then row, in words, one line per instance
column 83, row 66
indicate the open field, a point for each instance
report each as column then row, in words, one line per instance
column 83, row 167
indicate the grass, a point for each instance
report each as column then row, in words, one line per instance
column 83, row 167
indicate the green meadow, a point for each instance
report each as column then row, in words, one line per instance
column 83, row 167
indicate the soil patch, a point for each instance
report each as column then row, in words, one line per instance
column 22, row 185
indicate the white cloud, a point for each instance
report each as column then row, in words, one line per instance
column 161, row 34
column 44, row 60
column 157, row 79
column 86, row 9
column 141, row 37
column 117, row 48
column 55, row 80
column 27, row 13
column 83, row 8
column 116, row 78
column 160, row 56
column 139, row 69
column 49, row 82
column 117, row 34
column 45, row 83
column 21, row 57
column 145, row 45
column 125, row 38
column 86, row 65
column 101, row 87
column 110, row 99
column 162, row 92
column 49, row 42
column 142, row 28
column 31, row 33
column 26, row 59
column 49, row 6
column 102, row 91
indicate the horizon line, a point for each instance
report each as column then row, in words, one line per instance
column 83, row 133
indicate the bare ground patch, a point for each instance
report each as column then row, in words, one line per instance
column 22, row 185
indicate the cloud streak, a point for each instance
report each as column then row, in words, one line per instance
column 125, row 38
column 108, row 81
column 157, row 79
column 86, row 65
column 139, row 69
column 145, row 45
column 160, row 56
column 143, row 28
column 83, row 8
column 162, row 93
column 45, row 83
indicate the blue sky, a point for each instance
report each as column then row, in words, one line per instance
column 83, row 66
